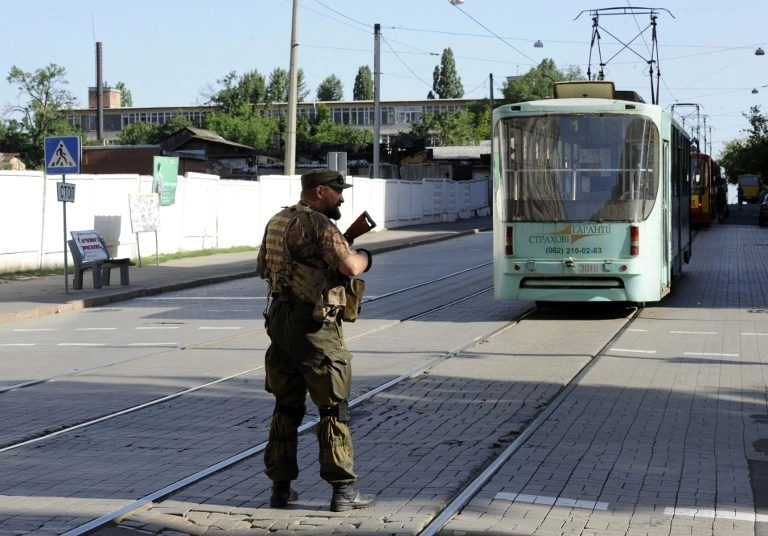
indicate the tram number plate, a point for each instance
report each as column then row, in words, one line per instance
column 589, row 268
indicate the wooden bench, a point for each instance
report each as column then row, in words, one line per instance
column 89, row 252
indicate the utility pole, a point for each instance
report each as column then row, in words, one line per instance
column 99, row 97
column 290, row 132
column 490, row 79
column 490, row 137
column 376, row 102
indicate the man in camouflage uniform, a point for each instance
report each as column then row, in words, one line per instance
column 305, row 258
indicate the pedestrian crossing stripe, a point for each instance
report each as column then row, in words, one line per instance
column 61, row 157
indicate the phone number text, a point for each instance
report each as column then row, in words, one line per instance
column 573, row 251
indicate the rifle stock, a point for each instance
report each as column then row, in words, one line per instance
column 359, row 227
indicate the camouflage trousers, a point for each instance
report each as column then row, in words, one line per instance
column 307, row 357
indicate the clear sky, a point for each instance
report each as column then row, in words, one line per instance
column 171, row 52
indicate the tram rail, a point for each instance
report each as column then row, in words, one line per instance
column 459, row 497
column 167, row 491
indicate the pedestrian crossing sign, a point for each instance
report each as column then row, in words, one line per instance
column 62, row 155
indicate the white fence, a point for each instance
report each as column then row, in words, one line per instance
column 208, row 213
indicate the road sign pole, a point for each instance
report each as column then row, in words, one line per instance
column 66, row 265
column 62, row 155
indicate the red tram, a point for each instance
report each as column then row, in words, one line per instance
column 705, row 174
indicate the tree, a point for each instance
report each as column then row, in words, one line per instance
column 253, row 129
column 139, row 133
column 13, row 139
column 42, row 114
column 142, row 133
column 238, row 92
column 174, row 124
column 363, row 89
column 314, row 138
column 126, row 100
column 481, row 120
column 277, row 87
column 446, row 83
column 537, row 83
column 468, row 126
column 747, row 155
column 330, row 89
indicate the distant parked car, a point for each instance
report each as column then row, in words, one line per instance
column 762, row 219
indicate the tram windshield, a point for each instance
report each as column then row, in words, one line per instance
column 700, row 179
column 576, row 168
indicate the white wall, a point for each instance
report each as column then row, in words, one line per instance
column 208, row 213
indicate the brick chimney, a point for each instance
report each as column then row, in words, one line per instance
column 109, row 96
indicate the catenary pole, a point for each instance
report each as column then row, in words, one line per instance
column 290, row 132
column 376, row 102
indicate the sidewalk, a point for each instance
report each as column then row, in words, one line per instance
column 42, row 296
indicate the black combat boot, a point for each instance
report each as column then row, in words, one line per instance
column 282, row 494
column 346, row 497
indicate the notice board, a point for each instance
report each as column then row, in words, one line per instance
column 145, row 213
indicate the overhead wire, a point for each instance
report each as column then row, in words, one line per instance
column 404, row 63
column 493, row 33
column 360, row 25
column 398, row 48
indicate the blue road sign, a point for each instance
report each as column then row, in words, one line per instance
column 62, row 155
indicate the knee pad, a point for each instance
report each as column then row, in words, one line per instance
column 340, row 411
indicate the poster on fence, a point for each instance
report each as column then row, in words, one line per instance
column 165, row 170
column 145, row 213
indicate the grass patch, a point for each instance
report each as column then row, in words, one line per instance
column 151, row 259
column 165, row 257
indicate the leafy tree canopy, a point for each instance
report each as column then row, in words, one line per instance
column 142, row 133
column 330, row 89
column 363, row 89
column 139, row 133
column 747, row 155
column 446, row 82
column 237, row 94
column 44, row 101
column 537, row 83
column 313, row 137
column 253, row 130
column 469, row 126
column 278, row 85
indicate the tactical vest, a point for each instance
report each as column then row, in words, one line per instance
column 303, row 282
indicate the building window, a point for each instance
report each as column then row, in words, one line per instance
column 111, row 123
column 406, row 115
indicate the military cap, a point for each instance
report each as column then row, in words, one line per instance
column 316, row 177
